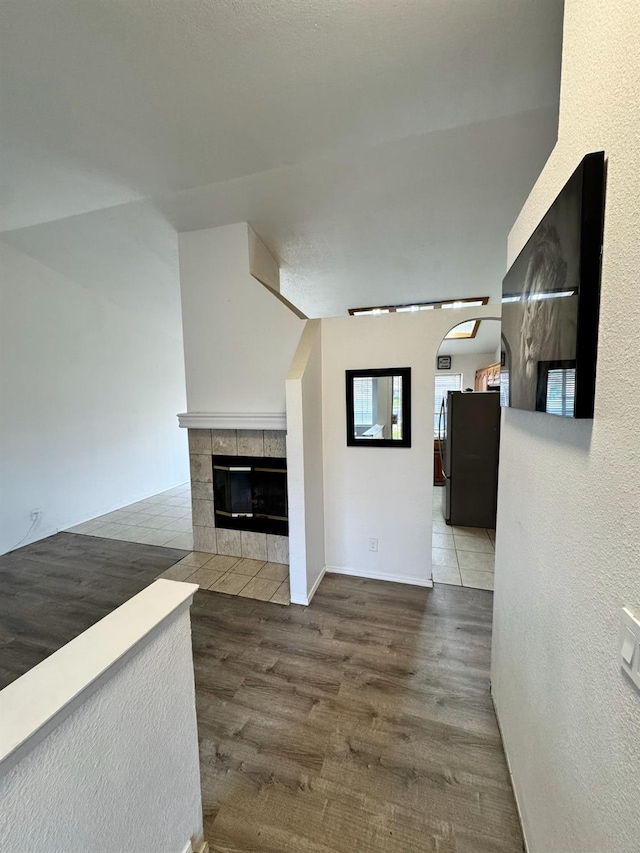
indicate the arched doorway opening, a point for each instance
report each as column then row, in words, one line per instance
column 466, row 436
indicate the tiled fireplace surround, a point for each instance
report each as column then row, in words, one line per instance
column 203, row 444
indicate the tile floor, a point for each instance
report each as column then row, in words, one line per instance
column 234, row 576
column 462, row 556
column 165, row 519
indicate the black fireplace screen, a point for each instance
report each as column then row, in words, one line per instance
column 250, row 493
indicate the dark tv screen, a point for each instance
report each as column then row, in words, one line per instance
column 551, row 302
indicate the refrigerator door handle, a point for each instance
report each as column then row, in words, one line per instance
column 441, row 419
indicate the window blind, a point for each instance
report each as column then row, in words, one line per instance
column 363, row 400
column 561, row 391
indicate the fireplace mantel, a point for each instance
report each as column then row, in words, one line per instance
column 230, row 420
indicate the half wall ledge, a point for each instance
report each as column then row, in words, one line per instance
column 224, row 420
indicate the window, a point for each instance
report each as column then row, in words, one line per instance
column 444, row 383
column 556, row 389
column 363, row 400
column 468, row 302
column 561, row 391
column 504, row 387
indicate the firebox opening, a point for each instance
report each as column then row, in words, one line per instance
column 250, row 493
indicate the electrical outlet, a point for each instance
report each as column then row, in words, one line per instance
column 373, row 544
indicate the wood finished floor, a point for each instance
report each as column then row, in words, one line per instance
column 361, row 724
column 56, row 588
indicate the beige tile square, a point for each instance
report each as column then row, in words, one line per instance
column 224, row 442
column 140, row 518
column 439, row 525
column 147, row 536
column 203, row 514
column 275, row 443
column 179, row 572
column 477, row 580
column 274, row 572
column 282, row 594
column 474, row 543
column 444, row 557
column 204, row 576
column 221, row 563
column 475, row 561
column 173, row 511
column 118, row 516
column 259, row 588
column 277, row 548
column 229, row 542
column 184, row 541
column 447, row 574
column 196, row 559
column 254, row 545
column 133, row 518
column 230, row 583
column 154, row 499
column 442, row 540
column 176, row 491
column 477, row 532
column 201, row 468
column 97, row 531
column 141, row 506
column 175, row 501
column 86, row 526
column 111, row 530
column 156, row 522
column 200, row 441
column 250, row 442
column 248, row 567
column 178, row 525
column 204, row 539
column 127, row 533
column 202, row 492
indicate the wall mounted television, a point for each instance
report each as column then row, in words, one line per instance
column 551, row 303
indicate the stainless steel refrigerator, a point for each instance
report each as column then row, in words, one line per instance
column 469, row 443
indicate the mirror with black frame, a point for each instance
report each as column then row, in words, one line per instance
column 379, row 407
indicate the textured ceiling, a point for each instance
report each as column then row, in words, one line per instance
column 382, row 149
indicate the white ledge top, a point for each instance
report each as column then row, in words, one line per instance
column 231, row 420
column 33, row 705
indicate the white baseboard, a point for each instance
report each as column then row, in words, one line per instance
column 307, row 601
column 381, row 576
column 187, row 848
column 513, row 785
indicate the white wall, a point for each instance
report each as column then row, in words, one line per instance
column 567, row 550
column 468, row 364
column 88, row 395
column 382, row 493
column 239, row 339
column 305, row 466
column 99, row 743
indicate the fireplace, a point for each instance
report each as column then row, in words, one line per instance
column 250, row 493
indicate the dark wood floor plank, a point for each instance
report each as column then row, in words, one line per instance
column 361, row 724
column 54, row 589
column 389, row 684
